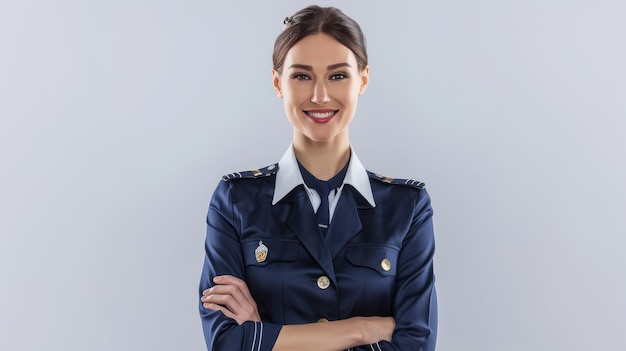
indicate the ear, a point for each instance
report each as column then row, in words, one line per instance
column 365, row 78
column 276, row 83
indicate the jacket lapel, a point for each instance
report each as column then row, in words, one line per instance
column 346, row 222
column 302, row 222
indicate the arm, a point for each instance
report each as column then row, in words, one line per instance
column 232, row 297
column 223, row 256
column 230, row 320
column 415, row 301
column 335, row 335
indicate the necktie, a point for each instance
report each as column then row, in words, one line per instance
column 323, row 188
column 323, row 212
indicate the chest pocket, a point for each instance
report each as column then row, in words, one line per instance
column 263, row 253
column 382, row 259
column 269, row 269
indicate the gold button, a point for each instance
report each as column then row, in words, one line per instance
column 323, row 282
column 322, row 320
column 385, row 264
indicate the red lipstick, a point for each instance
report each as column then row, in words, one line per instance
column 321, row 115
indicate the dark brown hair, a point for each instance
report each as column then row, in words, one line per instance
column 314, row 20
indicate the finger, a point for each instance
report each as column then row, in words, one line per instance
column 243, row 294
column 208, row 292
column 239, row 314
column 225, row 300
column 223, row 279
column 230, row 297
column 225, row 311
column 212, row 306
column 237, row 291
column 216, row 307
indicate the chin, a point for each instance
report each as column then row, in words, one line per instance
column 322, row 137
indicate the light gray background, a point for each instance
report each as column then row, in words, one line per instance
column 119, row 117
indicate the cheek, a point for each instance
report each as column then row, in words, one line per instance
column 294, row 93
column 291, row 103
column 346, row 95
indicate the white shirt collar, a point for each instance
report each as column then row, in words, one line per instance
column 288, row 176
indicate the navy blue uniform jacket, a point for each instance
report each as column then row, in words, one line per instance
column 289, row 284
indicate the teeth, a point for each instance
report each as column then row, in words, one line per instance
column 320, row 114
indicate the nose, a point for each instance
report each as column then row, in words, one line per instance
column 320, row 94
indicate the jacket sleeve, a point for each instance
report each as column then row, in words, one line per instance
column 223, row 256
column 415, row 300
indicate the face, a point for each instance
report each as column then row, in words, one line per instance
column 320, row 85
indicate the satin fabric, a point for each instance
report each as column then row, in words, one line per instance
column 285, row 284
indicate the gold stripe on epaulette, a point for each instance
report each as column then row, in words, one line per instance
column 256, row 172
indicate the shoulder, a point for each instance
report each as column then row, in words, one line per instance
column 252, row 174
column 400, row 193
column 396, row 181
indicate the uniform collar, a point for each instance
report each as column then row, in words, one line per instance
column 288, row 177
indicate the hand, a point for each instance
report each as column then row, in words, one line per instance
column 231, row 296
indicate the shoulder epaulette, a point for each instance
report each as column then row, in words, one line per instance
column 398, row 181
column 255, row 173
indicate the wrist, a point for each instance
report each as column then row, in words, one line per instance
column 361, row 330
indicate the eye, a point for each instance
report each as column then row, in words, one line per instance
column 338, row 76
column 300, row 76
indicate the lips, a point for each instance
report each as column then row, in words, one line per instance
column 321, row 115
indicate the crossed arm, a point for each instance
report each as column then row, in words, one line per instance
column 230, row 315
column 231, row 296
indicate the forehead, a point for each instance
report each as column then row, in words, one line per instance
column 319, row 50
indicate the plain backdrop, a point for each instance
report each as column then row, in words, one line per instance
column 118, row 118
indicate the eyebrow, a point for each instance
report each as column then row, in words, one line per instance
column 330, row 67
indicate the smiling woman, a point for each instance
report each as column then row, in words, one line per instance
column 320, row 87
column 316, row 237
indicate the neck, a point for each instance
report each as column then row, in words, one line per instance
column 322, row 159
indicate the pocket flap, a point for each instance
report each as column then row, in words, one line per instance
column 261, row 253
column 382, row 259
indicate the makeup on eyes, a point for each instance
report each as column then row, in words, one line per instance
column 306, row 76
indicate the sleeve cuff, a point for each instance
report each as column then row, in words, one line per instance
column 261, row 336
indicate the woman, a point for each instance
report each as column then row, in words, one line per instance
column 317, row 238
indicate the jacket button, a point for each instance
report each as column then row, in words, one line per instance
column 323, row 282
column 322, row 320
column 385, row 264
